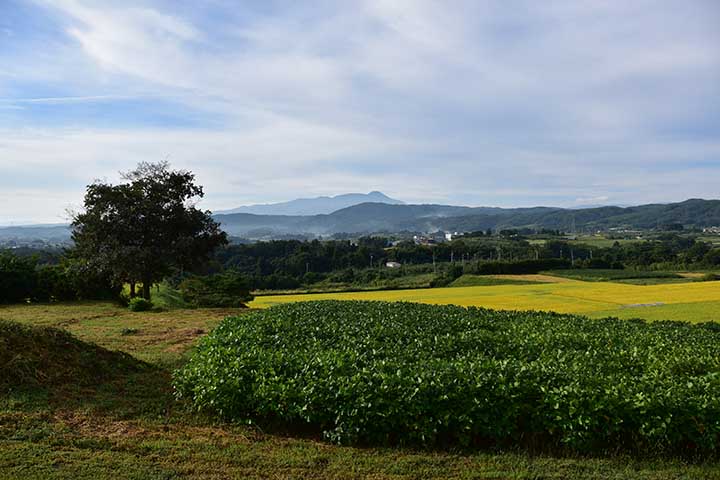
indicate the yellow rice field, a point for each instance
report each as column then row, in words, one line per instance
column 698, row 301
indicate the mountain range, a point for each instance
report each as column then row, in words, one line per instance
column 385, row 218
column 314, row 206
column 376, row 217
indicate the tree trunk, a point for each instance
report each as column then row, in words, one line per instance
column 146, row 290
column 132, row 290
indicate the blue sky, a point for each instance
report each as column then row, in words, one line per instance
column 507, row 103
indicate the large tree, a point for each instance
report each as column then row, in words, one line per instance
column 143, row 229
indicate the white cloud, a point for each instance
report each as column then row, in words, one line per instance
column 436, row 101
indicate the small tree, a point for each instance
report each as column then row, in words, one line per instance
column 142, row 229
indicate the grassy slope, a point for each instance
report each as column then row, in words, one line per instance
column 487, row 280
column 131, row 427
column 420, row 280
column 605, row 275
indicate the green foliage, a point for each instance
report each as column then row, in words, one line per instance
column 484, row 280
column 521, row 267
column 140, row 230
column 139, row 304
column 454, row 272
column 710, row 277
column 605, row 275
column 22, row 279
column 229, row 289
column 421, row 374
column 17, row 278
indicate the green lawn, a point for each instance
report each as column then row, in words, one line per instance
column 130, row 427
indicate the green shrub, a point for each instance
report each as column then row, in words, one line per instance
column 408, row 373
column 229, row 289
column 710, row 277
column 139, row 304
column 18, row 279
column 608, row 275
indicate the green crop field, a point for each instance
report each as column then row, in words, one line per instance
column 695, row 302
column 408, row 373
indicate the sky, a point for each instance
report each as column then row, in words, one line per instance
column 497, row 103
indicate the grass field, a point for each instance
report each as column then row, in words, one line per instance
column 490, row 280
column 132, row 428
column 696, row 301
column 609, row 275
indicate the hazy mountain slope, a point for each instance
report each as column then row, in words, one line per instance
column 386, row 218
column 314, row 206
column 49, row 233
column 377, row 217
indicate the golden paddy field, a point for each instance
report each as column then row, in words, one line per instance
column 694, row 301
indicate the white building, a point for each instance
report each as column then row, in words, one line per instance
column 393, row 265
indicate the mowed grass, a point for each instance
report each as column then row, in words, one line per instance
column 133, row 428
column 156, row 337
column 695, row 302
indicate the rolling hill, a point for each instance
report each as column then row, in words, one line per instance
column 373, row 217
column 379, row 217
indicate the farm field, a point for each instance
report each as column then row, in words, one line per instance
column 420, row 374
column 131, row 427
column 694, row 301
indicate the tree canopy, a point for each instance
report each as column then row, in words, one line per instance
column 143, row 229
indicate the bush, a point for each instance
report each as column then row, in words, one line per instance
column 18, row 279
column 521, row 267
column 230, row 290
column 422, row 374
column 139, row 304
column 710, row 277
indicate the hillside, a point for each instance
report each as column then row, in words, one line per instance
column 378, row 217
column 374, row 217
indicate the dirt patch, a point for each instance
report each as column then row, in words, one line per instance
column 99, row 427
column 691, row 274
column 102, row 427
column 176, row 339
column 636, row 305
column 68, row 322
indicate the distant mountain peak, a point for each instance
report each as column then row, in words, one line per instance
column 315, row 205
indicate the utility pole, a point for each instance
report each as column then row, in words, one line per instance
column 434, row 266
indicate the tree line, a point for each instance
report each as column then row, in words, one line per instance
column 147, row 229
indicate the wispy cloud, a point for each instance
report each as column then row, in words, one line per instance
column 459, row 101
column 70, row 99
